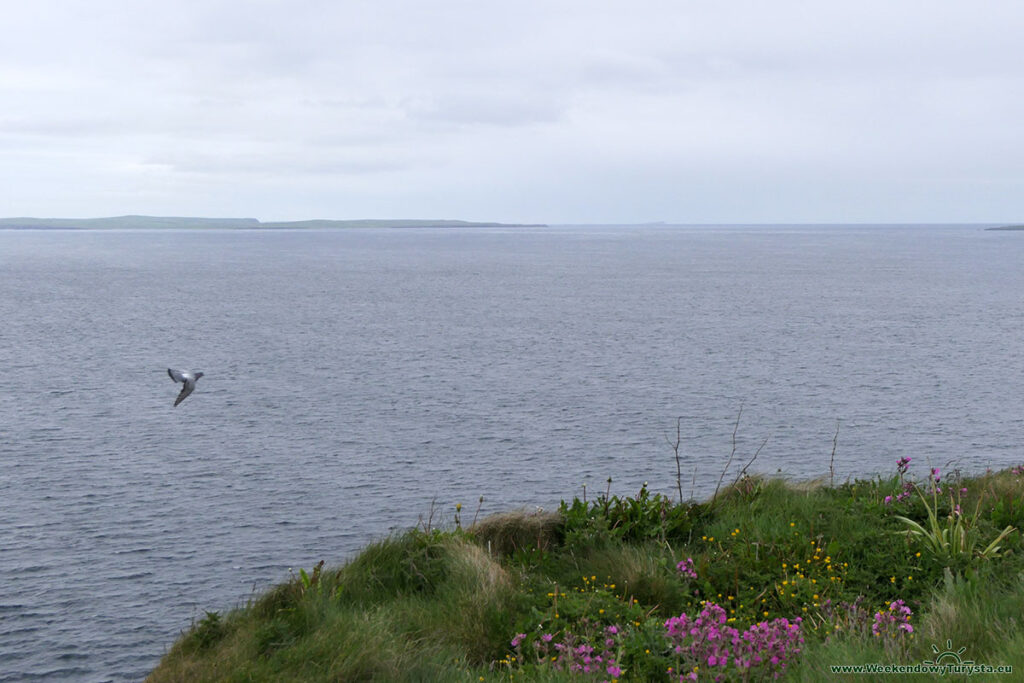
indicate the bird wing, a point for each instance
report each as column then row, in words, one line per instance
column 185, row 391
column 176, row 375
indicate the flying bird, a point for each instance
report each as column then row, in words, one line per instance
column 188, row 379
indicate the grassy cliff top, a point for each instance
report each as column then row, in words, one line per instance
column 768, row 578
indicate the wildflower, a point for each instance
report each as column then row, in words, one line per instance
column 893, row 623
column 888, row 500
column 518, row 639
column 685, row 567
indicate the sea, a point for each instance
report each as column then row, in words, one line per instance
column 361, row 382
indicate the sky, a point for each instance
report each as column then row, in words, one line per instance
column 529, row 111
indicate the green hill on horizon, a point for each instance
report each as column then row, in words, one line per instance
column 184, row 222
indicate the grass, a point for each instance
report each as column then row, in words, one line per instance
column 802, row 573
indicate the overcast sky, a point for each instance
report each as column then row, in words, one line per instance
column 545, row 111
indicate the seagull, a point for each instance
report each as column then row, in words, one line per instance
column 186, row 378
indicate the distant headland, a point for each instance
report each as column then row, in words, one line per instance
column 189, row 223
column 1008, row 227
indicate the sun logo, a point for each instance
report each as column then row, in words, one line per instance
column 948, row 653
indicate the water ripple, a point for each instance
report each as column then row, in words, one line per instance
column 356, row 379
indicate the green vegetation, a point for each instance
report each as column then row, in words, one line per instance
column 767, row 579
column 389, row 223
column 181, row 223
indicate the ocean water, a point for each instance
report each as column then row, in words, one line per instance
column 357, row 380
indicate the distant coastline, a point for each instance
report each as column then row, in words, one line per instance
column 195, row 223
column 1008, row 227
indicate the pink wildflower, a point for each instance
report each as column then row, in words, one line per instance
column 685, row 567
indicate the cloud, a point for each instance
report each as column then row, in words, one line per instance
column 275, row 162
column 552, row 111
column 498, row 109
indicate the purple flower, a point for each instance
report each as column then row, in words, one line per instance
column 685, row 567
column 709, row 640
column 888, row 500
column 547, row 637
column 518, row 639
column 893, row 622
